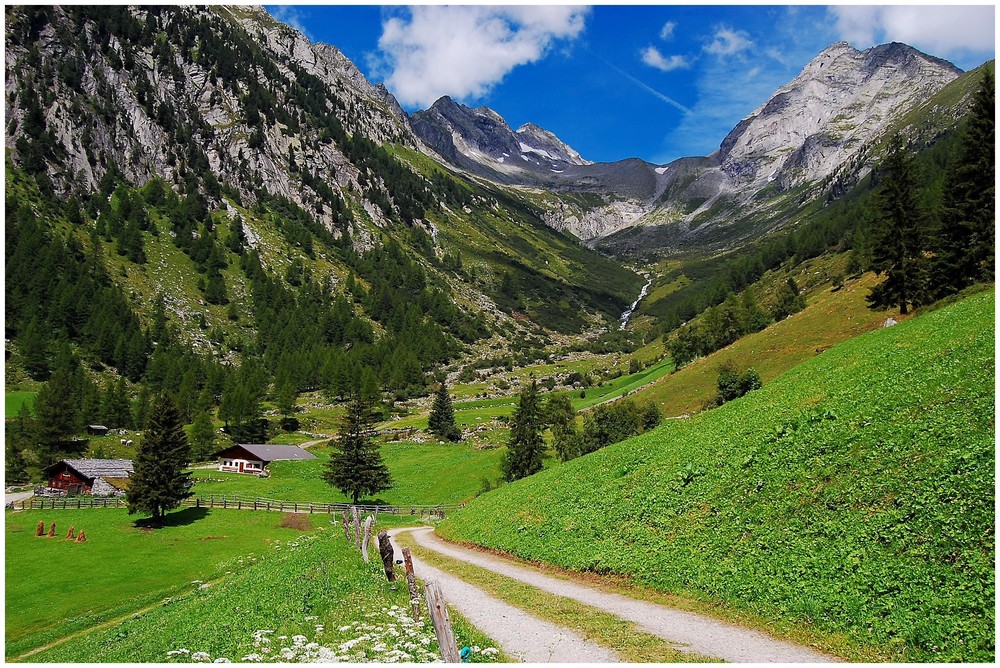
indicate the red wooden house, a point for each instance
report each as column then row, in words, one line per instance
column 103, row 477
column 249, row 458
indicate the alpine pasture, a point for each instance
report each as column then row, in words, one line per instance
column 852, row 497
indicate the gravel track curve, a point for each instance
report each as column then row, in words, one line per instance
column 689, row 631
column 521, row 635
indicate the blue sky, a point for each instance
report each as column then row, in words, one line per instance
column 656, row 82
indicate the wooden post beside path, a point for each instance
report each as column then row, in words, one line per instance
column 442, row 623
column 356, row 514
column 347, row 525
column 385, row 551
column 411, row 580
column 368, row 537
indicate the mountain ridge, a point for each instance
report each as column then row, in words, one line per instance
column 841, row 101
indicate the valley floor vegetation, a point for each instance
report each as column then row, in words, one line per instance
column 852, row 496
column 225, row 585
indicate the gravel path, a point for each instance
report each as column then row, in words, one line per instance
column 689, row 631
column 8, row 499
column 521, row 635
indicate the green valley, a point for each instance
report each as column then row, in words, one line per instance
column 852, row 496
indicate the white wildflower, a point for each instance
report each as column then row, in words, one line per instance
column 201, row 656
column 222, row 659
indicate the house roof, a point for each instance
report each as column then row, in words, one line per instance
column 98, row 468
column 271, row 453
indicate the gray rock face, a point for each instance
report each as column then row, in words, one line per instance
column 480, row 141
column 134, row 128
column 840, row 101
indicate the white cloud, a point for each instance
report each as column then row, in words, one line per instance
column 667, row 31
column 652, row 57
column 729, row 42
column 939, row 30
column 463, row 51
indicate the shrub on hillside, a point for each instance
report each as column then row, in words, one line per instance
column 732, row 384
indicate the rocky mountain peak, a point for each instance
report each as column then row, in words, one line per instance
column 546, row 143
column 841, row 100
column 481, row 141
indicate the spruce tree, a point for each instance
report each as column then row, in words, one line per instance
column 561, row 418
column 525, row 449
column 159, row 482
column 202, row 437
column 964, row 249
column 356, row 466
column 57, row 417
column 34, row 346
column 898, row 243
column 442, row 418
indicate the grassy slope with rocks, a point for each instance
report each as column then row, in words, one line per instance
column 851, row 497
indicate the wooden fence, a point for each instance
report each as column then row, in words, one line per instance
column 233, row 502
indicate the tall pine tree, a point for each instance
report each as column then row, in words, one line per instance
column 965, row 250
column 525, row 449
column 159, row 482
column 442, row 418
column 898, row 243
column 356, row 466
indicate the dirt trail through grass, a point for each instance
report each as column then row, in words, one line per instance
column 692, row 632
column 521, row 636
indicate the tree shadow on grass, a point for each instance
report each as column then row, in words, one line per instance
column 175, row 519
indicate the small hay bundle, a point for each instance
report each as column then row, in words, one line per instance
column 81, row 537
column 40, row 529
column 52, row 530
column 69, row 534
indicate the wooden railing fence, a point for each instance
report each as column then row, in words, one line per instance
column 234, row 502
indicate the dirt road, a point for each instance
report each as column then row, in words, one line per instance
column 691, row 632
column 521, row 635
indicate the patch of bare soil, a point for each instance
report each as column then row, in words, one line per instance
column 295, row 521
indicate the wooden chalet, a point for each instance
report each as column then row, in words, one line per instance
column 250, row 458
column 97, row 430
column 100, row 477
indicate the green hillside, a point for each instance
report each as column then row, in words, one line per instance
column 852, row 497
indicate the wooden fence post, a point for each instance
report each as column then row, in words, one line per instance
column 442, row 623
column 356, row 514
column 347, row 525
column 411, row 580
column 367, row 538
column 385, row 551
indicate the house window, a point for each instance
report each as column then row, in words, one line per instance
column 226, row 462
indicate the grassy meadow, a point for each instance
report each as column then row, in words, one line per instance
column 225, row 585
column 852, row 497
column 55, row 587
column 424, row 474
column 14, row 400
